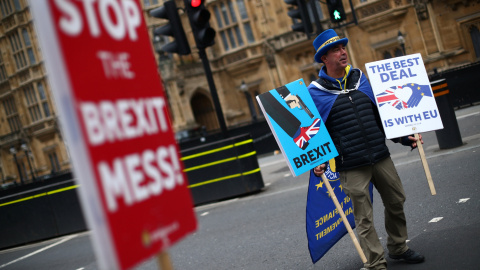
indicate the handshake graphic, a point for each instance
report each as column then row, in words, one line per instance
column 401, row 97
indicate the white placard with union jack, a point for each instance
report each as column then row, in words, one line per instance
column 404, row 96
column 297, row 126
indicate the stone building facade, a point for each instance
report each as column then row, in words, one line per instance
column 31, row 145
column 254, row 52
column 255, row 45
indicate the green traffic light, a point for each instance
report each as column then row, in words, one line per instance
column 336, row 15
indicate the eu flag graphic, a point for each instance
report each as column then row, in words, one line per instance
column 403, row 97
column 323, row 222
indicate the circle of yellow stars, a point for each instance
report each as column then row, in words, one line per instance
column 320, row 185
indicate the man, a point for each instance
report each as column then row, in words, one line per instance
column 346, row 104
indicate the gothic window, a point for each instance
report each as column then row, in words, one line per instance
column 11, row 113
column 19, row 47
column 36, row 102
column 3, row 71
column 23, row 170
column 475, row 35
column 398, row 52
column 16, row 3
column 233, row 24
column 32, row 103
column 43, row 99
column 6, row 8
column 392, row 52
column 28, row 45
column 54, row 164
column 387, row 55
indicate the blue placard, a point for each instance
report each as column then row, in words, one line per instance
column 297, row 126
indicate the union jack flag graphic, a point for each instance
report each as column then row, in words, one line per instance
column 412, row 95
column 304, row 134
column 388, row 98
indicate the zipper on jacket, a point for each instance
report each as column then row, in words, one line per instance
column 361, row 126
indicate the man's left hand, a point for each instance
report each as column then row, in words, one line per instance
column 414, row 141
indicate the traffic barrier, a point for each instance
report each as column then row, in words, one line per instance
column 449, row 136
column 40, row 211
column 51, row 208
column 222, row 170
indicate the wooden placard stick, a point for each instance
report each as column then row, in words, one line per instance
column 164, row 262
column 344, row 218
column 425, row 165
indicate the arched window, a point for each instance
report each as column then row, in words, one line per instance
column 204, row 111
column 387, row 55
column 398, row 52
column 475, row 35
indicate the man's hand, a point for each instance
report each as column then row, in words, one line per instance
column 319, row 170
column 414, row 141
column 292, row 101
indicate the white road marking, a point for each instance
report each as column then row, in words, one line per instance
column 272, row 163
column 40, row 250
column 415, row 160
column 467, row 115
column 204, row 214
column 287, row 175
column 463, row 200
column 437, row 219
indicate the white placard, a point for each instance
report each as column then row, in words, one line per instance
column 404, row 96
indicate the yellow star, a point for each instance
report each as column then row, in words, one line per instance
column 330, row 195
column 319, row 185
column 413, row 84
column 418, row 88
column 423, row 94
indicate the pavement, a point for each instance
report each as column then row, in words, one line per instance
column 438, row 248
column 450, row 248
column 456, row 247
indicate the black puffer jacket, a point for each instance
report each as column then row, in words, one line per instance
column 353, row 124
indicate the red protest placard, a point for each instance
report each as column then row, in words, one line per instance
column 114, row 115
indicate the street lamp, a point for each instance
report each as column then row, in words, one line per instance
column 27, row 153
column 13, row 151
column 401, row 40
column 244, row 89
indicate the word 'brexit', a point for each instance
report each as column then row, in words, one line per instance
column 312, row 155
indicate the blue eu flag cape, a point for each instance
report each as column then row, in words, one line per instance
column 323, row 222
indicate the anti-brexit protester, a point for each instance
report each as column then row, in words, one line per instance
column 347, row 105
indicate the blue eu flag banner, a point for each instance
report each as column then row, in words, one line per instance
column 324, row 224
